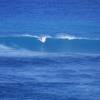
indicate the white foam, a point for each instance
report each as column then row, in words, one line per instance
column 7, row 51
column 42, row 39
column 23, row 53
column 4, row 47
column 66, row 36
column 29, row 35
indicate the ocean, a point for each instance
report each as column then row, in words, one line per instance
column 49, row 49
column 61, row 67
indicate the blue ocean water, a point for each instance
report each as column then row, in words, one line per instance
column 50, row 78
column 49, row 68
column 50, row 16
column 62, row 43
column 62, row 63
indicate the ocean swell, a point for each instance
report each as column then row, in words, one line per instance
column 45, row 44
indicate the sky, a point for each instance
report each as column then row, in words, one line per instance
column 50, row 16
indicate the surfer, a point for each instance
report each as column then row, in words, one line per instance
column 42, row 38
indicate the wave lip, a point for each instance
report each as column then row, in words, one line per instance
column 66, row 36
column 43, row 37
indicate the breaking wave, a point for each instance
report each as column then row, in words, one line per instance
column 3, row 47
column 33, row 45
column 59, row 36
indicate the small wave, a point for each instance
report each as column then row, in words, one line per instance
column 59, row 43
column 24, row 53
column 4, row 47
column 8, row 51
column 29, row 53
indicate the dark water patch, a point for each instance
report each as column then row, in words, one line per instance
column 49, row 78
column 41, row 91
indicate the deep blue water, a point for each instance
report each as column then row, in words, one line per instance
column 50, row 78
column 50, row 16
column 62, row 66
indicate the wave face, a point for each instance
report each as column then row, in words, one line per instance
column 50, row 44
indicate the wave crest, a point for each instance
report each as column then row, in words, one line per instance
column 43, row 37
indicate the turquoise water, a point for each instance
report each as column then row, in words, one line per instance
column 51, row 44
